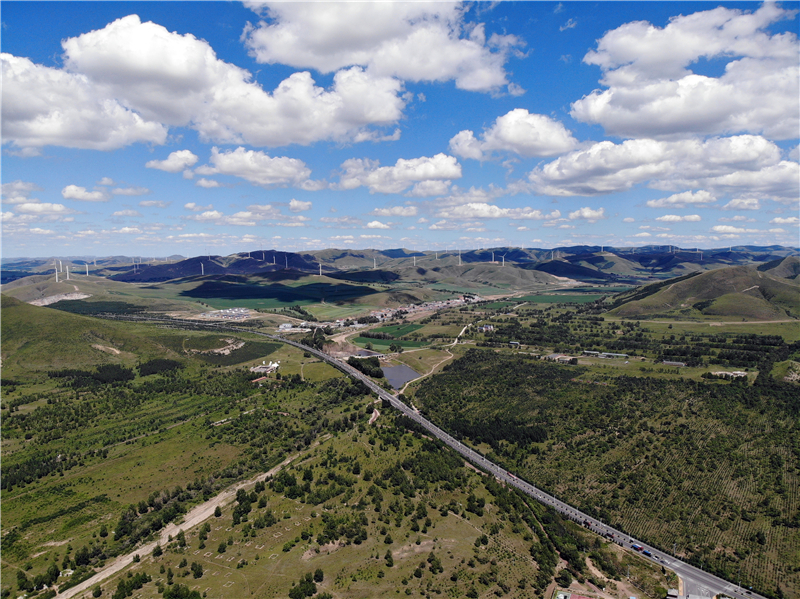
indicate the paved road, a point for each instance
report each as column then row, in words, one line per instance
column 696, row 581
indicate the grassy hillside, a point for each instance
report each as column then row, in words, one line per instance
column 741, row 292
column 37, row 339
column 786, row 268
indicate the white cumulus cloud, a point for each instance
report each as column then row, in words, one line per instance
column 744, row 164
column 130, row 81
column 411, row 41
column 681, row 200
column 175, row 162
column 483, row 210
column 358, row 172
column 517, row 131
column 258, row 168
column 376, row 224
column 45, row 106
column 395, row 211
column 588, row 214
column 652, row 91
column 74, row 192
column 675, row 218
column 207, row 183
column 197, row 208
column 743, row 204
column 298, row 206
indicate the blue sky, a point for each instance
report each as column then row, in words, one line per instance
column 155, row 128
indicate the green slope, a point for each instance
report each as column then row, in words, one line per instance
column 741, row 292
column 39, row 339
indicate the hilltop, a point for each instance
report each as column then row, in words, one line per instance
column 736, row 292
column 40, row 338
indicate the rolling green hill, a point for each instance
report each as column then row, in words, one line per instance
column 38, row 339
column 786, row 268
column 740, row 292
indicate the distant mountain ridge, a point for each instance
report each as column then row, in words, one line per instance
column 590, row 264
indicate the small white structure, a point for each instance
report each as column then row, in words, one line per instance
column 266, row 368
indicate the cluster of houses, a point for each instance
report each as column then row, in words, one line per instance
column 228, row 314
column 561, row 358
column 265, row 368
column 390, row 313
column 383, row 315
column 736, row 374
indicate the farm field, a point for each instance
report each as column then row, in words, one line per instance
column 383, row 344
column 398, row 330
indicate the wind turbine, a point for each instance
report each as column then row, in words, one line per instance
column 56, row 272
column 459, row 257
column 67, row 272
column 374, row 263
column 504, row 259
column 87, row 269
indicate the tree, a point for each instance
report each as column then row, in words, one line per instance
column 564, row 578
column 217, row 512
column 318, row 575
column 222, row 547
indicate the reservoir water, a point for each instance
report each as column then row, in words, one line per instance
column 399, row 375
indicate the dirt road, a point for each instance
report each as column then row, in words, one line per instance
column 195, row 517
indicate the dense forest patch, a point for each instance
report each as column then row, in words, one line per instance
column 710, row 467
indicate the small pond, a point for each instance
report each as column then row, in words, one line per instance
column 399, row 375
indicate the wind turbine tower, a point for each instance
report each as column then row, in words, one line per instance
column 202, row 270
column 504, row 259
column 67, row 272
column 459, row 257
column 56, row 274
column 87, row 269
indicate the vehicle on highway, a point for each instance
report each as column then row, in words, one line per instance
column 636, row 547
column 647, row 553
